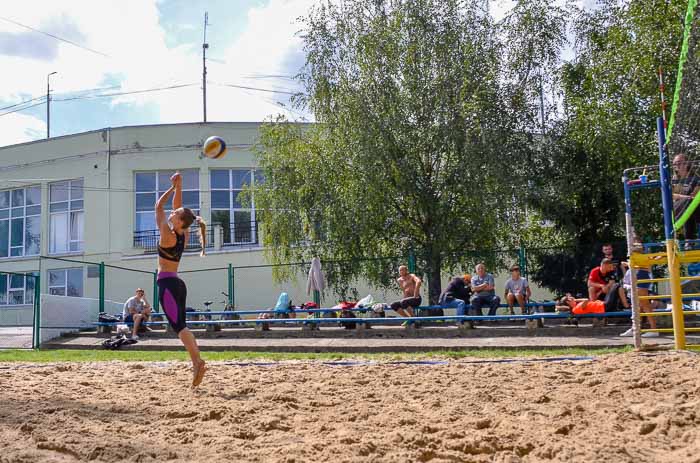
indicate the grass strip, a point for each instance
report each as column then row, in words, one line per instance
column 71, row 355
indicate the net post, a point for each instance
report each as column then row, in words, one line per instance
column 629, row 231
column 36, row 342
column 230, row 285
column 102, row 287
column 156, row 302
column 522, row 262
column 671, row 242
column 411, row 261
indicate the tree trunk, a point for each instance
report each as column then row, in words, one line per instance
column 434, row 264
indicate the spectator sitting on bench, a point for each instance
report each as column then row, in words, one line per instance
column 517, row 289
column 600, row 280
column 457, row 294
column 483, row 286
column 137, row 310
column 410, row 285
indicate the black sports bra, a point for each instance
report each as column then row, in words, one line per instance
column 173, row 253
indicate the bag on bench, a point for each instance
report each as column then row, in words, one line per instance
column 104, row 317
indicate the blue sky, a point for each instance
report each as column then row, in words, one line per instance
column 149, row 44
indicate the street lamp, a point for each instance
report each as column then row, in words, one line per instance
column 48, row 104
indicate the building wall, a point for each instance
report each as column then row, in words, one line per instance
column 107, row 160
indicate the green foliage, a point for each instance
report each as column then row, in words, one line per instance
column 422, row 110
column 610, row 100
column 441, row 131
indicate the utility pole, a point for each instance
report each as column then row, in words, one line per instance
column 48, row 105
column 205, row 45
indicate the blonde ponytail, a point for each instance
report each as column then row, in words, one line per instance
column 202, row 234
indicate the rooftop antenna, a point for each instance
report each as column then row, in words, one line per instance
column 205, row 45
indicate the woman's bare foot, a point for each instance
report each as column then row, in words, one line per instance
column 198, row 370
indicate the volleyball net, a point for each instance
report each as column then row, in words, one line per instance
column 683, row 132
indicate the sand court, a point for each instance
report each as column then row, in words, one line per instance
column 620, row 407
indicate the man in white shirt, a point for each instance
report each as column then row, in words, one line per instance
column 137, row 310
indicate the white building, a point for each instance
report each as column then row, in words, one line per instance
column 90, row 197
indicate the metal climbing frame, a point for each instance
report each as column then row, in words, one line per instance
column 642, row 255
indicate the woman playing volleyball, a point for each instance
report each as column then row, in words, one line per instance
column 172, row 292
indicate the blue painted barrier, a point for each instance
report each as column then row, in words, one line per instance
column 386, row 320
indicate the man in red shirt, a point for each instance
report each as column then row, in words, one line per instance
column 599, row 283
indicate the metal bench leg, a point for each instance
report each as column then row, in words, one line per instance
column 213, row 328
column 105, row 329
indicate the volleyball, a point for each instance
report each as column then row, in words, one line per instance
column 214, row 147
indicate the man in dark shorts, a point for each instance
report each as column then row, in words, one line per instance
column 600, row 282
column 483, row 287
column 137, row 310
column 410, row 285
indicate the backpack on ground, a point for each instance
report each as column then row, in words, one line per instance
column 115, row 342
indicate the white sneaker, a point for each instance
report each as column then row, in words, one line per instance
column 135, row 337
column 651, row 334
column 627, row 333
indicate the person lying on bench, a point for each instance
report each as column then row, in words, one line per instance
column 610, row 304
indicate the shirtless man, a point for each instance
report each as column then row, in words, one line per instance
column 410, row 284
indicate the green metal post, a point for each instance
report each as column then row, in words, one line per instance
column 37, row 313
column 230, row 285
column 102, row 287
column 155, row 291
column 522, row 262
column 411, row 261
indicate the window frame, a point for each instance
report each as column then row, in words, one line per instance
column 64, row 286
column 27, row 292
column 12, row 213
column 158, row 191
column 232, row 197
column 68, row 212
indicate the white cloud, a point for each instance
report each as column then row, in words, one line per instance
column 21, row 128
column 129, row 32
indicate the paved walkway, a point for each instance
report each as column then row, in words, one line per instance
column 16, row 338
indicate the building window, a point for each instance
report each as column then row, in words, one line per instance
column 16, row 289
column 66, row 216
column 20, row 222
column 227, row 209
column 149, row 187
column 66, row 282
